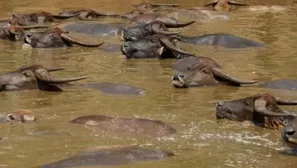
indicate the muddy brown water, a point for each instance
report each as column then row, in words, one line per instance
column 202, row 141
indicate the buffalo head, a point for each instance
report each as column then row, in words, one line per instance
column 53, row 38
column 135, row 33
column 20, row 115
column 201, row 71
column 32, row 18
column 12, row 33
column 83, row 14
column 33, row 77
column 261, row 109
column 224, row 5
column 289, row 133
column 155, row 46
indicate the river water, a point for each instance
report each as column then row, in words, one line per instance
column 201, row 141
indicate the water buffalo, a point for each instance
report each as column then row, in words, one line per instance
column 14, row 32
column 20, row 115
column 202, row 71
column 53, row 38
column 84, row 14
column 33, row 77
column 289, row 133
column 127, row 32
column 148, row 5
column 220, row 39
column 135, row 33
column 36, row 18
column 262, row 109
column 151, row 17
column 224, row 5
column 110, row 156
column 140, row 126
column 155, row 46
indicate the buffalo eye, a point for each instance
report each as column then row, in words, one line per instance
column 152, row 40
column 11, row 117
column 27, row 74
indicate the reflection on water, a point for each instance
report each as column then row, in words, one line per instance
column 202, row 141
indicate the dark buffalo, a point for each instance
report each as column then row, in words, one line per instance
column 155, row 46
column 38, row 77
column 289, row 133
column 224, row 5
column 201, row 71
column 220, row 39
column 110, row 156
column 20, row 115
column 140, row 126
column 135, row 33
column 84, row 14
column 33, row 77
column 262, row 109
column 53, row 38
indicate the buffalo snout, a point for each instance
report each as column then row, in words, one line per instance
column 289, row 133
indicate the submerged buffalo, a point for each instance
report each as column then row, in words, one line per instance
column 38, row 77
column 138, row 126
column 220, row 39
column 262, row 109
column 110, row 156
column 224, row 5
column 33, row 77
column 84, row 14
column 36, row 18
column 289, row 133
column 201, row 71
column 135, row 33
column 149, row 5
column 155, row 46
column 12, row 33
column 53, row 38
column 20, row 115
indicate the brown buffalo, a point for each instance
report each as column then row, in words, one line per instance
column 33, row 77
column 201, row 71
column 138, row 126
column 262, row 109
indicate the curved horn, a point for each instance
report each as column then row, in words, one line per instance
column 285, row 102
column 168, row 5
column 55, row 69
column 212, row 3
column 60, row 16
column 66, row 37
column 66, row 80
column 238, row 3
column 35, row 27
column 178, row 25
column 156, row 29
column 220, row 73
column 260, row 107
column 171, row 46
